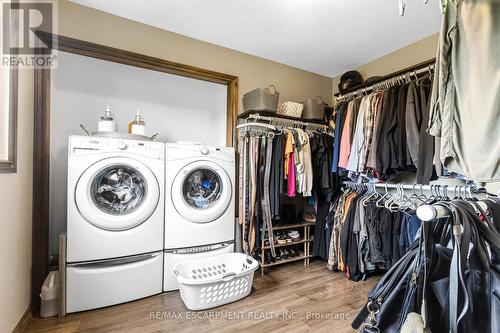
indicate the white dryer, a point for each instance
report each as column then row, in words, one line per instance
column 115, row 221
column 199, row 205
column 199, row 209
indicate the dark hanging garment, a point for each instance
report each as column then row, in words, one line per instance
column 319, row 245
column 425, row 165
column 339, row 122
column 413, row 120
column 398, row 131
column 276, row 183
column 349, row 244
column 385, row 142
column 378, row 129
column 259, row 218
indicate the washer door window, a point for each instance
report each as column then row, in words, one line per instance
column 117, row 194
column 201, row 192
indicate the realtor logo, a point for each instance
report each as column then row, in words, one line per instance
column 21, row 20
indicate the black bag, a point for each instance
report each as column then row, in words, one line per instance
column 469, row 301
column 395, row 295
column 474, row 278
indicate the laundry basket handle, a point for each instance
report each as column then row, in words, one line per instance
column 228, row 276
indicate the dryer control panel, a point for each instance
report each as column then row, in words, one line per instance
column 177, row 151
column 86, row 145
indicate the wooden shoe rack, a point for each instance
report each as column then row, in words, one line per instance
column 305, row 241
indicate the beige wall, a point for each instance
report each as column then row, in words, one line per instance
column 412, row 54
column 91, row 25
column 15, row 219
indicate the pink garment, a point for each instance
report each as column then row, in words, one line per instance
column 291, row 176
column 345, row 143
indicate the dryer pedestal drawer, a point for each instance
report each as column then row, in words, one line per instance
column 102, row 283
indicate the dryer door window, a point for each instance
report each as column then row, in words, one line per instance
column 202, row 188
column 118, row 189
column 201, row 192
column 117, row 194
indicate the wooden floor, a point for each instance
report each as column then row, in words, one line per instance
column 289, row 298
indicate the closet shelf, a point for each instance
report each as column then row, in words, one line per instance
column 275, row 115
column 289, row 226
column 305, row 243
column 279, row 262
column 302, row 241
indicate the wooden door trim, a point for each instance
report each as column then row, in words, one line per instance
column 41, row 149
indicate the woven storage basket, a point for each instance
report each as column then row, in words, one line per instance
column 314, row 109
column 261, row 99
column 291, row 109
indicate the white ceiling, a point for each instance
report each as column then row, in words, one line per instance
column 327, row 37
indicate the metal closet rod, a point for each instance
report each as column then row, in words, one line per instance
column 287, row 122
column 415, row 70
column 411, row 186
column 426, row 212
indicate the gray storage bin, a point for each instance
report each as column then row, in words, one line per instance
column 261, row 99
column 314, row 109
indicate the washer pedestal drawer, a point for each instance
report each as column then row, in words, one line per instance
column 96, row 284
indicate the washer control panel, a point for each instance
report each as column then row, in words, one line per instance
column 85, row 145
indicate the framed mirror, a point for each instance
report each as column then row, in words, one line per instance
column 8, row 108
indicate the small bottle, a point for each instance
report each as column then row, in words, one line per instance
column 107, row 123
column 138, row 126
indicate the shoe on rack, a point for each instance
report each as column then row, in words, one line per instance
column 283, row 254
column 289, row 253
column 281, row 238
column 292, row 251
column 294, row 235
column 309, row 217
column 267, row 258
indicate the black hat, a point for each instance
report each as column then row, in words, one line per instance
column 350, row 79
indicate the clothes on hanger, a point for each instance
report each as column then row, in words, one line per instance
column 378, row 135
column 292, row 163
column 465, row 107
column 366, row 238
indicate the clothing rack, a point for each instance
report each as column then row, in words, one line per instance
column 468, row 189
column 427, row 212
column 405, row 75
column 282, row 122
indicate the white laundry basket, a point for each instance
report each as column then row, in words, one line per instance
column 210, row 282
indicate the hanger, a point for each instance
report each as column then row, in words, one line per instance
column 411, row 200
column 373, row 194
column 255, row 124
column 383, row 197
column 401, row 7
column 389, row 201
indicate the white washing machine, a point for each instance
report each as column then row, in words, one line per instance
column 199, row 204
column 115, row 221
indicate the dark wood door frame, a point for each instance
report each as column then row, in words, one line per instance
column 41, row 153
